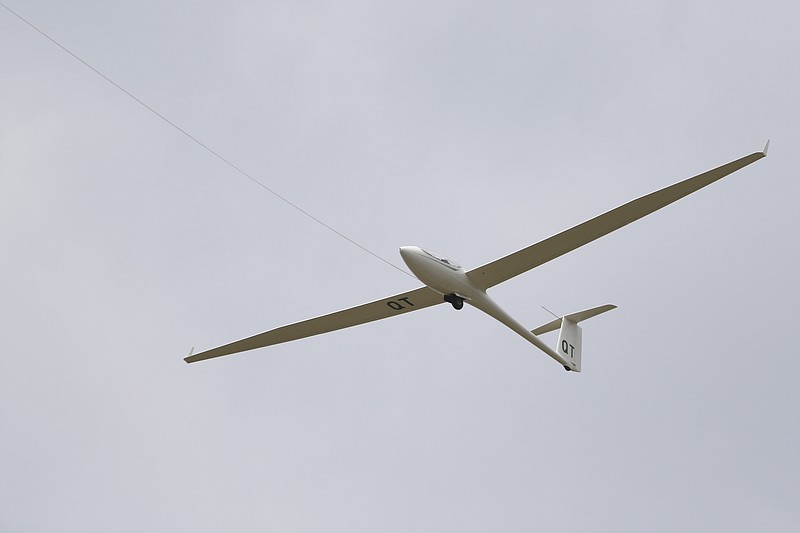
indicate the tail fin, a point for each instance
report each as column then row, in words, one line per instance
column 570, row 335
column 569, row 343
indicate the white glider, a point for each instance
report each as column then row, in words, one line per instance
column 446, row 281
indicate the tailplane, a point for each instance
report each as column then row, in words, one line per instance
column 570, row 334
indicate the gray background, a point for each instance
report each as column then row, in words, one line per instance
column 472, row 128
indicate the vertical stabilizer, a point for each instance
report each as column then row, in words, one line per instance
column 569, row 343
column 570, row 334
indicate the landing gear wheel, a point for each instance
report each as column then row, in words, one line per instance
column 454, row 299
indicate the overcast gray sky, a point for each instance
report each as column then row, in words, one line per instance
column 472, row 128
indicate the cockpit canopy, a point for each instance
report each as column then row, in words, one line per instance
column 442, row 259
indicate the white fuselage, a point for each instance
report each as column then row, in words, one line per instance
column 449, row 278
column 437, row 272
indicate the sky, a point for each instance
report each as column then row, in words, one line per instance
column 470, row 128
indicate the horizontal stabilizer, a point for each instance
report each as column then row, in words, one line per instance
column 574, row 317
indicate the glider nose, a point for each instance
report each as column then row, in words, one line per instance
column 408, row 253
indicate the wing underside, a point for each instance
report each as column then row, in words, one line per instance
column 377, row 310
column 537, row 254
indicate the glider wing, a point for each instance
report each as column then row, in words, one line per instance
column 537, row 254
column 383, row 308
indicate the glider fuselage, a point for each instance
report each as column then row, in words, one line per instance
column 449, row 279
column 437, row 272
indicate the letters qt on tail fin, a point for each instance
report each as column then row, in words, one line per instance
column 570, row 334
column 569, row 343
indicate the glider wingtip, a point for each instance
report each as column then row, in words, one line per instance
column 766, row 148
column 188, row 358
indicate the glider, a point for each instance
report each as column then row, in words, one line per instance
column 446, row 281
